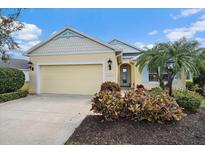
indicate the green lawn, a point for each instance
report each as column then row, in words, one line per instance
column 25, row 86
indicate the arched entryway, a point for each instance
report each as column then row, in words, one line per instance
column 125, row 75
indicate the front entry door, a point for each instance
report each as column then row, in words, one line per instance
column 125, row 76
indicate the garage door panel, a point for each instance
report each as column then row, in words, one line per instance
column 71, row 79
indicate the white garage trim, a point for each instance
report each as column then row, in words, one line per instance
column 38, row 91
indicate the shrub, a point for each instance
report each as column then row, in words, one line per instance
column 108, row 104
column 110, row 86
column 13, row 95
column 188, row 100
column 137, row 106
column 192, row 86
column 154, row 107
column 158, row 90
column 10, row 80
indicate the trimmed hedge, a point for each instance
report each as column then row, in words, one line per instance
column 189, row 100
column 11, row 79
column 13, row 95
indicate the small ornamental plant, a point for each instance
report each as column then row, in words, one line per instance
column 110, row 86
column 140, row 89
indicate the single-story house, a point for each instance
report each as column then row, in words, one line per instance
column 19, row 64
column 71, row 62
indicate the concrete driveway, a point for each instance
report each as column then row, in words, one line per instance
column 45, row 119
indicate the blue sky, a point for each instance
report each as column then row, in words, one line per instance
column 141, row 27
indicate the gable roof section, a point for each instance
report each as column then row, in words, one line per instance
column 15, row 63
column 125, row 47
column 70, row 41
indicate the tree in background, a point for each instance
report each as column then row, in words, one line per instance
column 200, row 78
column 9, row 23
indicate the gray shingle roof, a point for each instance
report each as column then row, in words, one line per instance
column 125, row 47
column 15, row 63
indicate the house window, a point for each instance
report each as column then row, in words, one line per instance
column 153, row 77
column 165, row 76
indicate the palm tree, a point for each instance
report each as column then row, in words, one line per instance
column 154, row 59
column 184, row 54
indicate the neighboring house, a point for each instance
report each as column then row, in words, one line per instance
column 71, row 62
column 20, row 64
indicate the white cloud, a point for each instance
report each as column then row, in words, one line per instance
column 150, row 46
column 198, row 26
column 177, row 33
column 28, row 36
column 30, row 32
column 53, row 32
column 188, row 32
column 154, row 32
column 202, row 17
column 142, row 45
column 186, row 13
column 201, row 41
column 27, row 45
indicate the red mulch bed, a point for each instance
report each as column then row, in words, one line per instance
column 190, row 130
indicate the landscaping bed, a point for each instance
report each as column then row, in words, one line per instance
column 189, row 130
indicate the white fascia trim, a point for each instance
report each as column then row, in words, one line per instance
column 66, row 63
column 70, row 53
column 24, row 69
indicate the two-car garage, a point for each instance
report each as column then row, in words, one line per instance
column 70, row 79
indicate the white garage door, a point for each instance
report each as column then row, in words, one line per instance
column 70, row 79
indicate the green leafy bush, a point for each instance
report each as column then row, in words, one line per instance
column 137, row 106
column 192, row 86
column 13, row 95
column 158, row 90
column 110, row 86
column 188, row 100
column 11, row 80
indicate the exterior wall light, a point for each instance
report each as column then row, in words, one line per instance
column 30, row 65
column 109, row 64
column 170, row 64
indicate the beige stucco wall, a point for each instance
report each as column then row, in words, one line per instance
column 136, row 78
column 110, row 75
column 180, row 83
